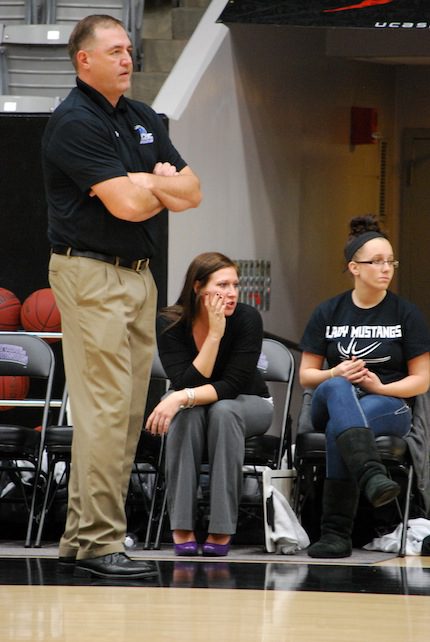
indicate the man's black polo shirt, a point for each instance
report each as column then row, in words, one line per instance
column 88, row 141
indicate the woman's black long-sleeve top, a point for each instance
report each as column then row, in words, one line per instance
column 235, row 371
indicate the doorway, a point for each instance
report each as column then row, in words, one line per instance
column 414, row 245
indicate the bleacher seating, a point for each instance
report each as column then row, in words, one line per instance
column 34, row 60
column 130, row 12
column 18, row 12
column 28, row 104
column 71, row 11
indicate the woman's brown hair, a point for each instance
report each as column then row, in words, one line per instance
column 200, row 269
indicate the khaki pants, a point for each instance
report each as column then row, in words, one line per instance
column 108, row 325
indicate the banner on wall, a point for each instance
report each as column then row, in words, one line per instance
column 380, row 14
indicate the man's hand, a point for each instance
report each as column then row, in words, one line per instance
column 165, row 169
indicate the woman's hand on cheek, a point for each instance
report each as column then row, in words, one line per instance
column 215, row 307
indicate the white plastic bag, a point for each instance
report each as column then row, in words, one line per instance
column 284, row 533
column 418, row 529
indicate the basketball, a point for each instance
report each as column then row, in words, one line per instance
column 39, row 313
column 13, row 387
column 10, row 311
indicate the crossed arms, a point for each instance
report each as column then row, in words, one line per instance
column 141, row 195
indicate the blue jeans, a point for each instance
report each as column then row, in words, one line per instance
column 336, row 407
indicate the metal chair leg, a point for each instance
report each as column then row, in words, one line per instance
column 402, row 551
column 148, row 536
column 32, row 513
column 158, row 486
column 43, row 509
column 161, row 520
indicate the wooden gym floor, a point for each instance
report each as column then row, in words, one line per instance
column 244, row 597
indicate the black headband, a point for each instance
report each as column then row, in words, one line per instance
column 358, row 242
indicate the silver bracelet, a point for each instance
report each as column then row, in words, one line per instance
column 191, row 399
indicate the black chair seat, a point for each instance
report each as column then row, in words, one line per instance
column 18, row 440
column 262, row 450
column 312, row 445
column 392, row 449
column 58, row 439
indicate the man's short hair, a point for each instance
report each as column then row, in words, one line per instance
column 84, row 32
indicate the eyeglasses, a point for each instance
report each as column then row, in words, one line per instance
column 380, row 262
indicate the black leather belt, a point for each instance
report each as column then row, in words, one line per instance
column 138, row 265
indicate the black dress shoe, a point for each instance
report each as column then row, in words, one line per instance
column 66, row 564
column 114, row 565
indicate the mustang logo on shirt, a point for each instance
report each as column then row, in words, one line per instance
column 351, row 350
column 145, row 137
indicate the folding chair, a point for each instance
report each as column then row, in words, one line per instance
column 310, row 460
column 150, row 452
column 57, row 440
column 57, row 449
column 25, row 355
column 272, row 448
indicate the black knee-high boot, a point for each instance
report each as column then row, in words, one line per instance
column 340, row 500
column 360, row 454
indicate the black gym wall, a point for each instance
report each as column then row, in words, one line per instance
column 24, row 247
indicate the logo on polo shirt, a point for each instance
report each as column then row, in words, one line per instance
column 145, row 137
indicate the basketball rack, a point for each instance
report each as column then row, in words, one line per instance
column 35, row 403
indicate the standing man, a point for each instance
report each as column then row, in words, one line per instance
column 109, row 169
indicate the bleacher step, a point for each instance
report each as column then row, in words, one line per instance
column 184, row 21
column 161, row 55
column 157, row 21
column 146, row 85
column 167, row 26
column 194, row 3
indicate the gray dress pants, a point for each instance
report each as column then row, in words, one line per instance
column 215, row 433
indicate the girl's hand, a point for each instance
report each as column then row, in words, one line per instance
column 354, row 370
column 160, row 418
column 215, row 306
column 372, row 383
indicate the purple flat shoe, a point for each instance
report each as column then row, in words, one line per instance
column 215, row 550
column 187, row 549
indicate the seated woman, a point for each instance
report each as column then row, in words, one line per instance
column 377, row 347
column 209, row 345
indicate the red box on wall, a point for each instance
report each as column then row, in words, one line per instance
column 364, row 124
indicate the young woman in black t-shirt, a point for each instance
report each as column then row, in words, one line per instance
column 376, row 345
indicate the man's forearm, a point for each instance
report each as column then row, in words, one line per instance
column 177, row 193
